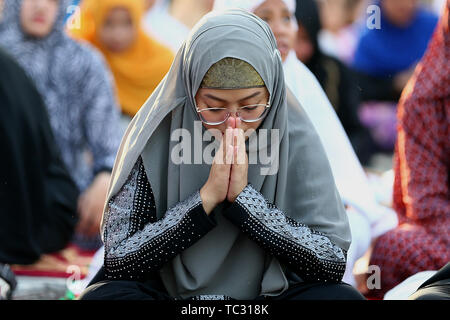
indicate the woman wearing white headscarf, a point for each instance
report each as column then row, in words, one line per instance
column 367, row 218
column 223, row 229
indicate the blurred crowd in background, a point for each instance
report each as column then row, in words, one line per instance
column 96, row 63
column 361, row 67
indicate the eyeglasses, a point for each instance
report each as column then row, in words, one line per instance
column 249, row 114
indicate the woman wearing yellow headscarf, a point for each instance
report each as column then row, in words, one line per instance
column 138, row 62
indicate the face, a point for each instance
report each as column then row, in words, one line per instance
column 304, row 47
column 279, row 18
column 232, row 100
column 38, row 17
column 333, row 14
column 399, row 12
column 1, row 9
column 118, row 31
column 148, row 4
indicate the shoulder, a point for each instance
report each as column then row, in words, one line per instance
column 84, row 55
column 424, row 25
column 427, row 18
column 299, row 123
column 296, row 72
column 414, row 109
column 8, row 64
column 14, row 74
column 294, row 66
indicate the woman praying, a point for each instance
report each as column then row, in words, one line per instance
column 224, row 230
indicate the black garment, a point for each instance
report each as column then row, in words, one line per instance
column 435, row 288
column 376, row 88
column 9, row 282
column 38, row 199
column 154, row 290
column 337, row 80
column 137, row 244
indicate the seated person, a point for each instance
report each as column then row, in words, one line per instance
column 77, row 90
column 138, row 62
column 422, row 164
column 384, row 60
column 334, row 77
column 38, row 199
column 229, row 226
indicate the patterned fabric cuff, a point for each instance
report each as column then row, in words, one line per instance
column 200, row 218
column 235, row 211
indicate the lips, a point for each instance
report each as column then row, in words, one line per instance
column 284, row 49
column 39, row 19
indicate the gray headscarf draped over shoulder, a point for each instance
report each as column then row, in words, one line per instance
column 225, row 261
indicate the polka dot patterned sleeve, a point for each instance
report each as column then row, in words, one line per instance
column 308, row 253
column 136, row 243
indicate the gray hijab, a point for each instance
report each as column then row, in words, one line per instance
column 226, row 261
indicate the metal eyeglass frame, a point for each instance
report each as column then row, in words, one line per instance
column 267, row 106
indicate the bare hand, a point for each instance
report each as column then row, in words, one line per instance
column 239, row 169
column 90, row 205
column 216, row 188
column 401, row 79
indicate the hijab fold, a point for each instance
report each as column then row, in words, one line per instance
column 226, row 261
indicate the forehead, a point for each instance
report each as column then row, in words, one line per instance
column 272, row 6
column 234, row 95
column 119, row 11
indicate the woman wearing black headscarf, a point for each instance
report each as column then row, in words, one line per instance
column 335, row 78
column 38, row 199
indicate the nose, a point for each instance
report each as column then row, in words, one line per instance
column 278, row 28
column 40, row 4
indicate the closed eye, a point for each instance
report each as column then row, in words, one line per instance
column 249, row 108
column 216, row 110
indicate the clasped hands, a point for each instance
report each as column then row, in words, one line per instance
column 229, row 171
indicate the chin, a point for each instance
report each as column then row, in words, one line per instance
column 39, row 33
column 37, row 30
column 284, row 55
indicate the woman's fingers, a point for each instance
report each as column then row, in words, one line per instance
column 227, row 147
column 238, row 123
column 240, row 157
column 231, row 122
column 215, row 189
column 239, row 169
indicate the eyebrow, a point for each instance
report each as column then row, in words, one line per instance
column 222, row 100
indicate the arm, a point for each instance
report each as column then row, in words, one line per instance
column 376, row 88
column 308, row 253
column 135, row 243
column 102, row 136
column 101, row 115
column 423, row 162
